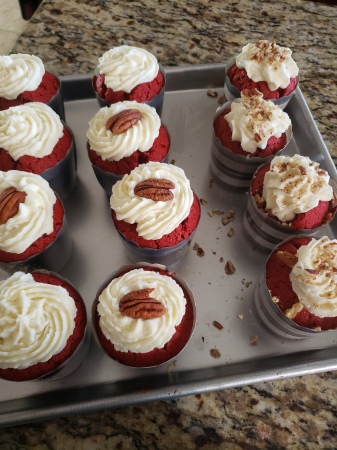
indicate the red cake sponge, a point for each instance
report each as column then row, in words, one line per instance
column 223, row 132
column 157, row 153
column 40, row 369
column 239, row 79
column 141, row 93
column 279, row 285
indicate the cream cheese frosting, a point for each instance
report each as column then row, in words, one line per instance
column 138, row 335
column 19, row 73
column 154, row 219
column 125, row 67
column 294, row 185
column 314, row 276
column 31, row 129
column 35, row 214
column 36, row 320
column 254, row 120
column 269, row 62
column 113, row 147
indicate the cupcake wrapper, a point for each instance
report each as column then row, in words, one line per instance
column 56, row 102
column 168, row 256
column 266, row 232
column 139, row 265
column 231, row 92
column 54, row 257
column 156, row 101
column 233, row 169
column 62, row 177
column 108, row 179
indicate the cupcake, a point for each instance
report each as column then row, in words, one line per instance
column 42, row 327
column 24, row 79
column 33, row 227
column 129, row 73
column 289, row 196
column 34, row 139
column 121, row 137
column 296, row 296
column 246, row 133
column 265, row 66
column 143, row 315
column 155, row 212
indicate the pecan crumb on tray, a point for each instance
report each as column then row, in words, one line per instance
column 211, row 93
column 229, row 268
column 198, row 249
column 215, row 353
column 217, row 325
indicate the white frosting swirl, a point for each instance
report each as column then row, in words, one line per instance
column 314, row 277
column 294, row 185
column 19, row 73
column 267, row 61
column 254, row 120
column 32, row 129
column 138, row 335
column 35, row 214
column 36, row 320
column 113, row 147
column 125, row 67
column 154, row 219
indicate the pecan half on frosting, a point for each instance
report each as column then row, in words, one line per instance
column 122, row 121
column 157, row 189
column 10, row 200
column 139, row 305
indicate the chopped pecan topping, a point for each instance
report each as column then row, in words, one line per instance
column 157, row 189
column 10, row 200
column 123, row 120
column 289, row 259
column 139, row 305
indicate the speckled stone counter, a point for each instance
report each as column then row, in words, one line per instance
column 296, row 413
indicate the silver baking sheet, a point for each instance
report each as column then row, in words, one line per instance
column 97, row 251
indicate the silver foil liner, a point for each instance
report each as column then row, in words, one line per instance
column 108, row 179
column 156, row 101
column 270, row 314
column 62, row 177
column 53, row 257
column 267, row 232
column 127, row 268
column 232, row 169
column 231, row 92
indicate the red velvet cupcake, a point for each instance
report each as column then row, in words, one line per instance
column 296, row 296
column 121, row 137
column 291, row 195
column 264, row 66
column 41, row 238
column 34, row 139
column 155, row 212
column 55, row 316
column 25, row 79
column 143, row 315
column 247, row 133
column 129, row 73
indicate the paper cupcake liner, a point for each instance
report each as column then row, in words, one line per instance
column 127, row 268
column 108, row 179
column 62, row 177
column 232, row 169
column 156, row 101
column 267, row 232
column 231, row 92
column 53, row 257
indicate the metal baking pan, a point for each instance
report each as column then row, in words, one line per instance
column 249, row 353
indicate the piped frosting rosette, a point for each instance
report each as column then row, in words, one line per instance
column 34, row 217
column 32, row 129
column 20, row 73
column 154, row 218
column 36, row 321
column 136, row 334
column 113, row 147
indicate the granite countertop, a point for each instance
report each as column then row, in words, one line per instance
column 292, row 413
